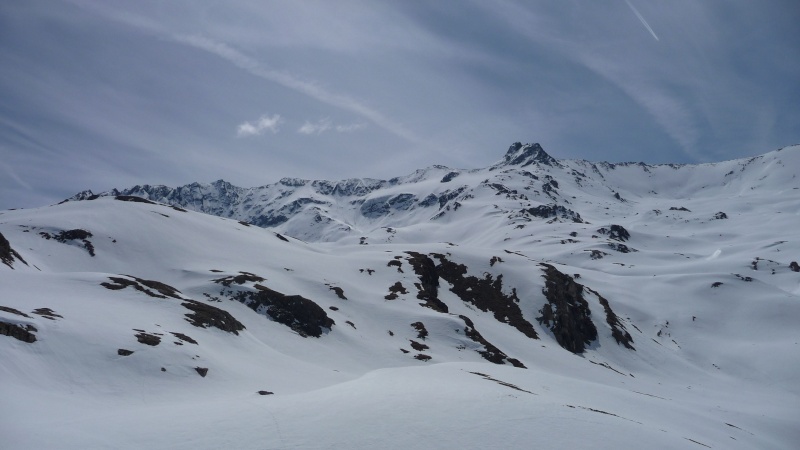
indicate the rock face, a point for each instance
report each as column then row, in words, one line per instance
column 554, row 211
column 206, row 316
column 148, row 338
column 202, row 315
column 8, row 254
column 296, row 312
column 525, row 155
column 428, row 285
column 567, row 313
column 622, row 248
column 18, row 331
column 618, row 331
column 490, row 352
column 616, row 232
column 147, row 286
column 485, row 293
column 67, row 236
column 242, row 278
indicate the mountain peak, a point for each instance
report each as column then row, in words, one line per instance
column 526, row 154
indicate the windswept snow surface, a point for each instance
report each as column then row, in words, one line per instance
column 345, row 334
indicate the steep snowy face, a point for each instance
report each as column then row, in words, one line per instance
column 622, row 302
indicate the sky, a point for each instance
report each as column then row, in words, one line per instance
column 96, row 94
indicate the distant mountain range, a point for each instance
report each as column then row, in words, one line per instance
column 530, row 183
column 536, row 302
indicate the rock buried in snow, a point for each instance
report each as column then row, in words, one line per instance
column 67, row 236
column 124, row 352
column 183, row 337
column 242, row 278
column 622, row 248
column 202, row 371
column 265, row 393
column 147, row 286
column 422, row 333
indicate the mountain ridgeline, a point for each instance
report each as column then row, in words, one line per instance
column 637, row 302
column 526, row 184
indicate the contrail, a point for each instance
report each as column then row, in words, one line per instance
column 641, row 19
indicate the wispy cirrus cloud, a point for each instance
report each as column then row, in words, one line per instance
column 350, row 128
column 256, row 68
column 309, row 89
column 325, row 124
column 258, row 127
column 315, row 128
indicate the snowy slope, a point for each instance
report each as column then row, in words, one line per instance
column 545, row 304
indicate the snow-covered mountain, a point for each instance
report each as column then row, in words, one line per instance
column 526, row 184
column 533, row 303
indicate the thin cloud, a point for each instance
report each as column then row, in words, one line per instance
column 258, row 127
column 254, row 67
column 315, row 128
column 669, row 111
column 310, row 89
column 324, row 125
column 350, row 128
column 641, row 19
column 13, row 175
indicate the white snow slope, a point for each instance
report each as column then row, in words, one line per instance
column 461, row 322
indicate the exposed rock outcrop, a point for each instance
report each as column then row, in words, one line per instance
column 490, row 352
column 554, row 211
column 148, row 338
column 7, row 254
column 67, row 236
column 485, row 293
column 24, row 333
column 618, row 331
column 567, row 313
column 205, row 316
column 147, row 286
column 202, row 315
column 616, row 232
column 428, row 285
column 242, row 278
column 296, row 312
column 527, row 154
